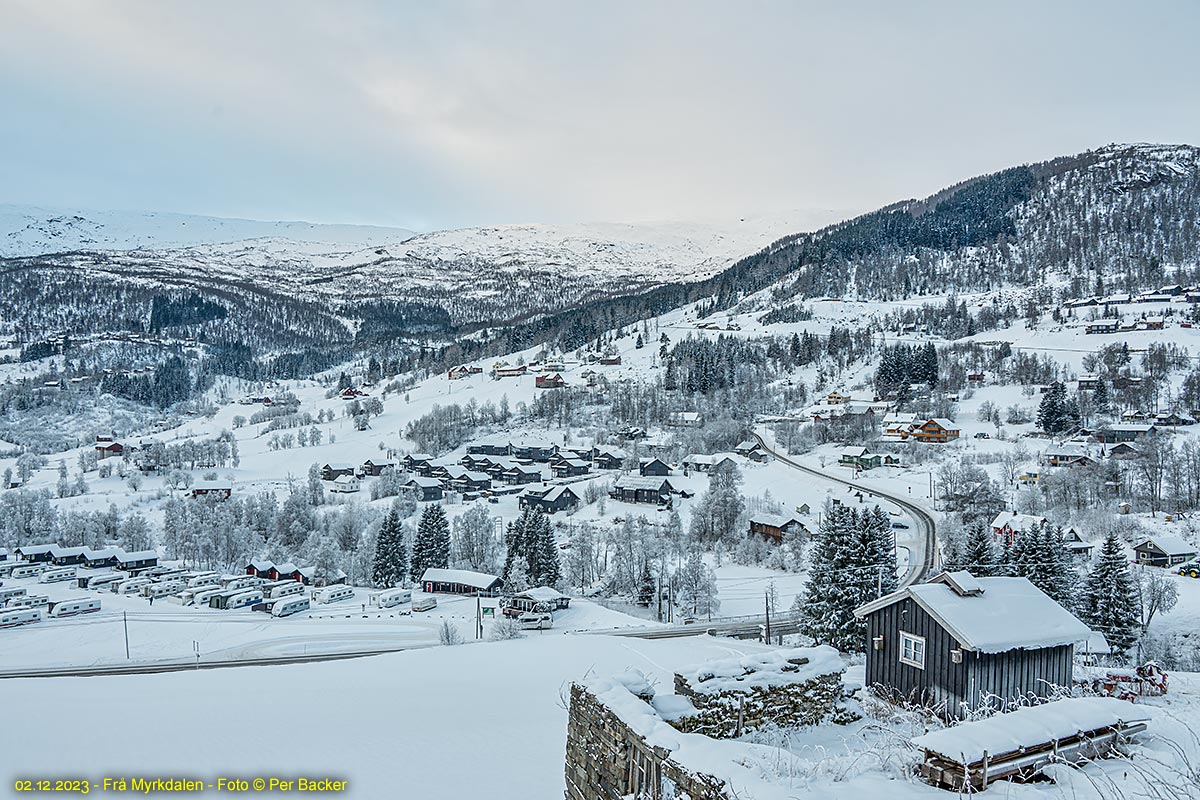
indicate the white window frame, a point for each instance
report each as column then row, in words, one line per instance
column 917, row 646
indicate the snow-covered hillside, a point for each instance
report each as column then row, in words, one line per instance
column 477, row 274
column 31, row 231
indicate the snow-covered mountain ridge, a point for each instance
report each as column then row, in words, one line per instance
column 483, row 274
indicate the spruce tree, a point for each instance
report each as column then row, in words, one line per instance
column 826, row 607
column 431, row 548
column 541, row 550
column 879, row 554
column 515, row 546
column 390, row 566
column 1109, row 602
column 977, row 553
column 646, row 586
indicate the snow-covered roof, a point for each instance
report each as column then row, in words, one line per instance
column 1131, row 427
column 139, row 555
column 211, row 486
column 639, row 482
column 345, row 480
column 1169, row 544
column 1018, row 522
column 471, row 475
column 36, row 549
column 67, row 552
column 715, row 458
column 854, row 452
column 772, row 520
column 969, row 742
column 945, row 423
column 423, row 482
column 477, row 580
column 543, row 594
column 1008, row 614
column 772, row 668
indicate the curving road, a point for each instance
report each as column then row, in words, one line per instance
column 918, row 567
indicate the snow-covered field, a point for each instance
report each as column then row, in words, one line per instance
column 467, row 721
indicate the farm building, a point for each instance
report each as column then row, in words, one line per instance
column 1103, row 325
column 685, row 419
column 859, row 458
column 960, row 642
column 550, row 499
column 460, row 581
column 774, row 527
column 1164, row 550
column 751, row 449
column 637, row 489
column 219, row 489
column 551, row 381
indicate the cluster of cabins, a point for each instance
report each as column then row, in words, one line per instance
column 287, row 571
column 1160, row 550
column 81, row 555
column 862, row 458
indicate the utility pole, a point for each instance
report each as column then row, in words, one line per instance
column 767, row 608
column 478, row 618
column 125, row 622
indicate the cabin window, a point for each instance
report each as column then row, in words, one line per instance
column 912, row 650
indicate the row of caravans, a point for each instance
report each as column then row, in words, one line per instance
column 12, row 616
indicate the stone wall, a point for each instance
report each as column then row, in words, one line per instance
column 726, row 714
column 602, row 752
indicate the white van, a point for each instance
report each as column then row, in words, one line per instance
column 333, row 594
column 57, row 575
column 425, row 604
column 536, row 620
column 290, row 605
column 391, row 597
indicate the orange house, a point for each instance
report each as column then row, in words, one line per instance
column 937, row 431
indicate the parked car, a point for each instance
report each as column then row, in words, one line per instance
column 903, row 526
column 983, row 435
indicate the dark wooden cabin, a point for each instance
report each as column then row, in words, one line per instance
column 959, row 643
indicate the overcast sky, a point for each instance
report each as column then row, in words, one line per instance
column 433, row 115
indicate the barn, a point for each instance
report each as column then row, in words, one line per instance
column 959, row 643
column 460, row 581
column 774, row 527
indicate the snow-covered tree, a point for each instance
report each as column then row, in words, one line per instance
column 696, row 586
column 475, row 545
column 390, row 565
column 1109, row 602
column 431, row 548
